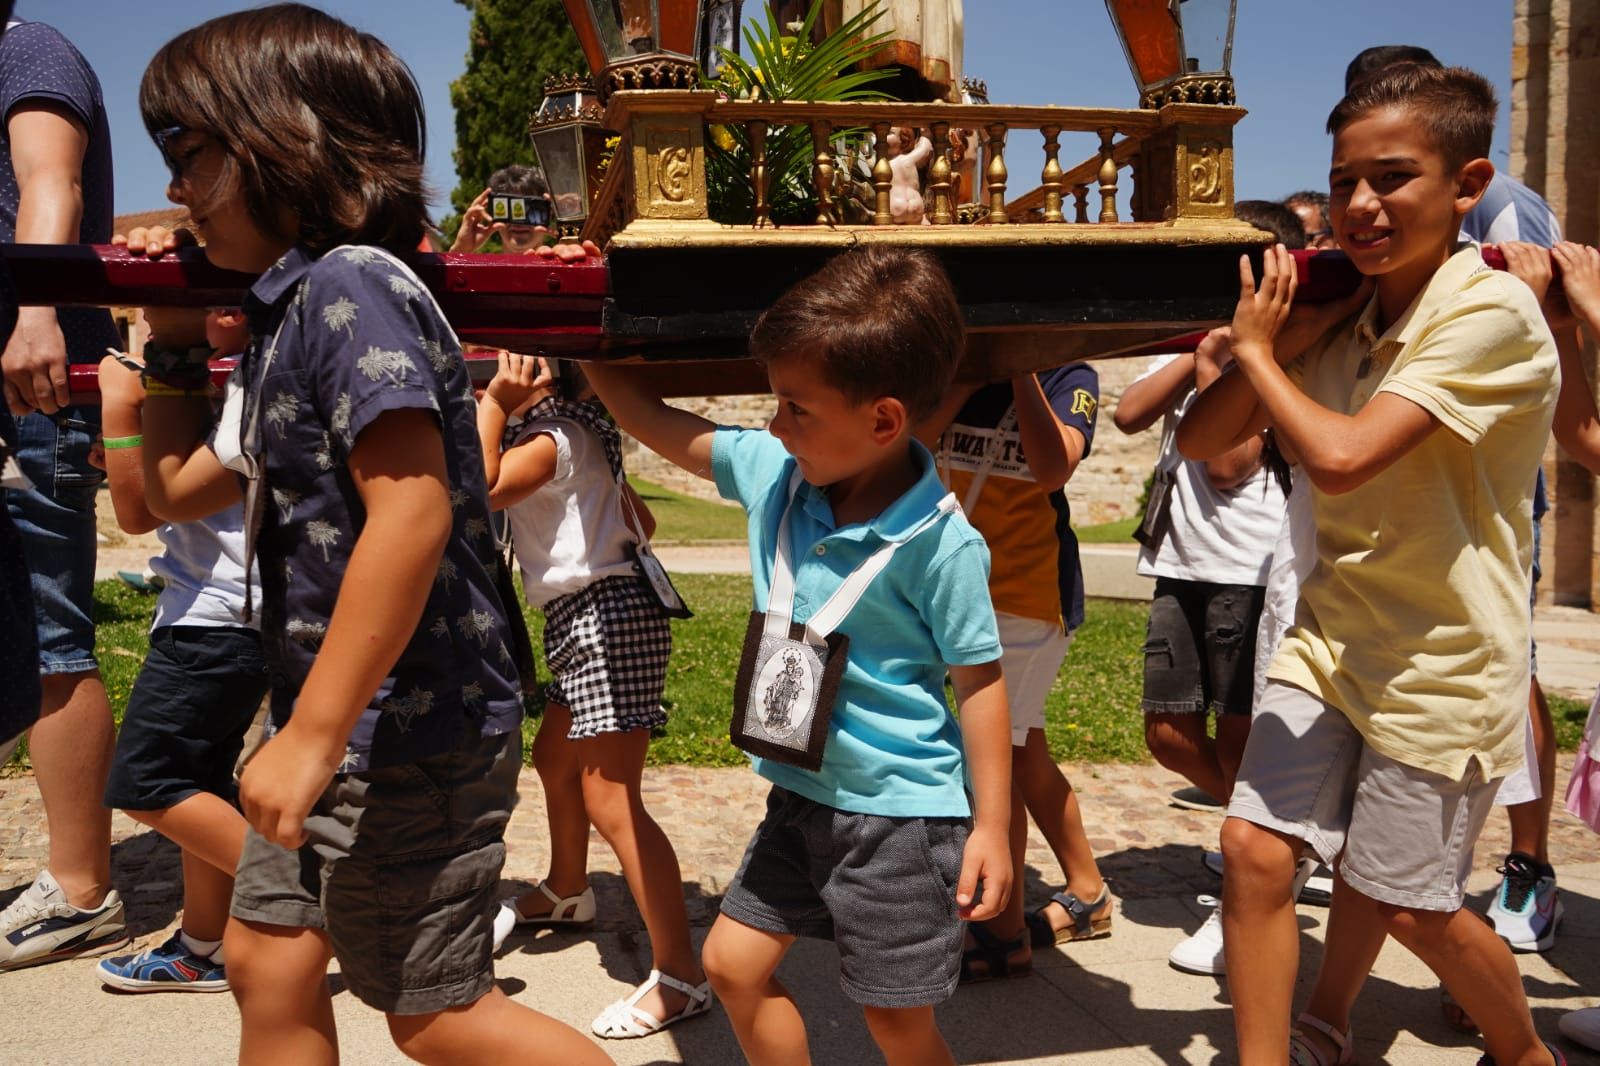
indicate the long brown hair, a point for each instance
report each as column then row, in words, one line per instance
column 312, row 114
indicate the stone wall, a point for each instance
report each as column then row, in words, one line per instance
column 1105, row 488
column 1555, row 140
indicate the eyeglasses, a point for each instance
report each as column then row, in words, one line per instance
column 163, row 138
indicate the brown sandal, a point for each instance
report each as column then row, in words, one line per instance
column 1085, row 926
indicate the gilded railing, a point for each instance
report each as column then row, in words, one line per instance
column 1175, row 163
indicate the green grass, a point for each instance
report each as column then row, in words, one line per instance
column 1091, row 714
column 683, row 518
column 1119, row 532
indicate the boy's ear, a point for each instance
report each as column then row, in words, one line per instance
column 1471, row 180
column 889, row 420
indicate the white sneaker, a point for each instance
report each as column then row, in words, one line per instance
column 1202, row 953
column 40, row 926
column 1582, row 1027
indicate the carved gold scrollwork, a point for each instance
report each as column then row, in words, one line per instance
column 1205, row 173
column 672, row 174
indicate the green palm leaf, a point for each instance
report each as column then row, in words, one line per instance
column 785, row 67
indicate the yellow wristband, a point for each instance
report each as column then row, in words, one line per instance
column 159, row 388
column 112, row 444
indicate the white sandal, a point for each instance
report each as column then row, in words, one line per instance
column 624, row 1020
column 1302, row 1052
column 568, row 910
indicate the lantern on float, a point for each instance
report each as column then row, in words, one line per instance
column 567, row 134
column 1180, row 51
column 638, row 44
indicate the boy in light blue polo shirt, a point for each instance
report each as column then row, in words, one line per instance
column 878, row 848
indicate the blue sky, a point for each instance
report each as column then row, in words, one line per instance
column 1289, row 58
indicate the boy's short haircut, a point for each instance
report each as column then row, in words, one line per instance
column 518, row 180
column 1309, row 197
column 1275, row 218
column 876, row 321
column 1371, row 60
column 1454, row 106
column 311, row 114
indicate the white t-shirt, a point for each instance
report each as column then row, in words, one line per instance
column 570, row 533
column 1225, row 538
column 1293, row 558
column 203, row 567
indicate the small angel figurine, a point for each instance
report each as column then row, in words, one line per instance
column 905, row 165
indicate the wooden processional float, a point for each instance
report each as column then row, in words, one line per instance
column 1051, row 276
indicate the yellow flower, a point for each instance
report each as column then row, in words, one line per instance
column 722, row 137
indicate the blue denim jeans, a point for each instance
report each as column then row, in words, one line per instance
column 19, row 646
column 56, row 521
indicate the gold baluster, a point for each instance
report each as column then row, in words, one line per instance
column 1050, row 178
column 822, row 170
column 995, row 177
column 1108, row 178
column 939, row 175
column 758, row 172
column 1080, row 198
column 882, row 175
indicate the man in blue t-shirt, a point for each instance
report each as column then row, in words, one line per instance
column 55, row 188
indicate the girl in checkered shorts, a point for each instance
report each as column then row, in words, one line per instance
column 575, row 527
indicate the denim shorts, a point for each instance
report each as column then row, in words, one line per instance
column 191, row 706
column 56, row 521
column 402, row 871
column 882, row 889
column 1200, row 647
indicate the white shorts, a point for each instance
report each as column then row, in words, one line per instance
column 1522, row 784
column 1031, row 653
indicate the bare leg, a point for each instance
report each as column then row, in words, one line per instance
column 211, row 833
column 1179, row 742
column 741, row 962
column 613, row 764
column 203, row 825
column 560, row 770
column 1009, row 923
column 207, row 891
column 1482, row 976
column 492, row 1031
column 908, row 1036
column 1260, row 938
column 278, row 975
column 1355, row 935
column 1050, row 798
column 1530, row 822
column 71, row 746
column 1233, row 730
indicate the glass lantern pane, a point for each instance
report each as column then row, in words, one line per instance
column 561, row 157
column 1150, row 33
column 1207, row 33
column 637, row 19
column 608, row 24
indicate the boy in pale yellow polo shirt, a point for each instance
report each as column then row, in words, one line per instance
column 1396, row 702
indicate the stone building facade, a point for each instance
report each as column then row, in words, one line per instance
column 1555, row 149
column 1105, row 488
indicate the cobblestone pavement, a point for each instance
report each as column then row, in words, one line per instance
column 1146, row 847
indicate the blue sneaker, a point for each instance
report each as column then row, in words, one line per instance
column 168, row 968
column 1527, row 910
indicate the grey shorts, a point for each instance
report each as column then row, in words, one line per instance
column 1406, row 834
column 1200, row 647
column 883, row 889
column 402, row 871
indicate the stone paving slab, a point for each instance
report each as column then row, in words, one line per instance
column 1113, row 1000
